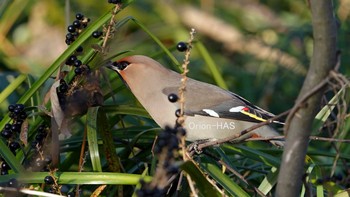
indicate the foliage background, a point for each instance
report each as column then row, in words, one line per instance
column 32, row 38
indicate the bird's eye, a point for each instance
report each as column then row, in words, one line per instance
column 121, row 65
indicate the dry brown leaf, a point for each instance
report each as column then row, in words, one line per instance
column 98, row 191
column 23, row 136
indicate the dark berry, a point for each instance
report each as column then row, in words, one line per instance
column 79, row 49
column 178, row 113
column 12, row 183
column 96, row 34
column 11, row 107
column 79, row 16
column 34, row 144
column 12, row 115
column 63, row 88
column 77, row 63
column 76, row 24
column 41, row 128
column 78, row 71
column 17, row 112
column 72, row 58
column 71, row 28
column 20, row 107
column 173, row 143
column 4, row 172
column 69, row 36
column 51, row 190
column 4, row 166
column 23, row 115
column 20, row 121
column 49, row 180
column 173, row 97
column 15, row 128
column 6, row 133
column 7, row 126
column 181, row 46
column 39, row 137
column 14, row 146
column 114, row 1
column 68, row 41
column 62, row 81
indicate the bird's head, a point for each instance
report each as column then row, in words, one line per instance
column 139, row 70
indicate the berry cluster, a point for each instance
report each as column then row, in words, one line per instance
column 76, row 27
column 166, row 147
column 74, row 61
column 40, row 136
column 147, row 192
column 61, row 93
column 114, row 1
column 169, row 139
column 11, row 131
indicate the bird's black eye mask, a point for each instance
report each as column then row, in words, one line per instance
column 121, row 65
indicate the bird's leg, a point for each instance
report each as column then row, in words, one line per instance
column 194, row 146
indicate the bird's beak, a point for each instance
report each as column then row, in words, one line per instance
column 117, row 66
column 111, row 65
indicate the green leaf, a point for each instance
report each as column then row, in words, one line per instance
column 126, row 109
column 12, row 87
column 324, row 113
column 92, row 126
column 226, row 182
column 253, row 154
column 88, row 178
column 269, row 181
column 206, row 188
column 211, row 65
column 108, row 143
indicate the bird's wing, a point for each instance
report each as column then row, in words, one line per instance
column 208, row 100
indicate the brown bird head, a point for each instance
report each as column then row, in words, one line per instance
column 138, row 69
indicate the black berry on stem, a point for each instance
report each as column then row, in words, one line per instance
column 181, row 46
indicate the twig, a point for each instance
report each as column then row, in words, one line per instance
column 181, row 119
column 316, row 138
column 110, row 27
column 300, row 103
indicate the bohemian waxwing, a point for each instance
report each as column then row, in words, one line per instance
column 210, row 112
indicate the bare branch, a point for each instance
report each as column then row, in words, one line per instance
column 299, row 130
